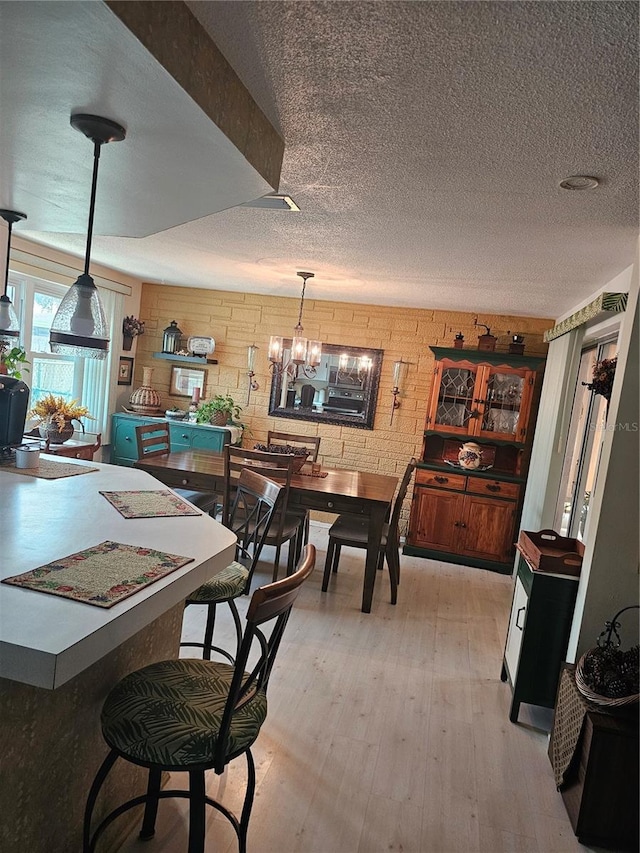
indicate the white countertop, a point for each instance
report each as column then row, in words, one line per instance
column 44, row 639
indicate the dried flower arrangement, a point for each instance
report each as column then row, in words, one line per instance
column 603, row 374
column 131, row 327
column 57, row 410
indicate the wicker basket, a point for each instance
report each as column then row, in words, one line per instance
column 596, row 698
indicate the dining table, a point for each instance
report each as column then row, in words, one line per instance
column 337, row 490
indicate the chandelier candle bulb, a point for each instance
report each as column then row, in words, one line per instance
column 275, row 349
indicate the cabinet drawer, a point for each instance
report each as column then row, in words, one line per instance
column 495, row 488
column 441, row 480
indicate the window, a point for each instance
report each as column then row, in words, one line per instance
column 584, row 443
column 87, row 380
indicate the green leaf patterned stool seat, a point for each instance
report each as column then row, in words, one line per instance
column 191, row 715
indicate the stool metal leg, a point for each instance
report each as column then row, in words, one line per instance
column 196, row 811
column 101, row 775
column 151, row 809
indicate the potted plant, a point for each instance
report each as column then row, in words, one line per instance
column 218, row 411
column 11, row 359
column 54, row 416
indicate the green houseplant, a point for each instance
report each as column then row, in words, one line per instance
column 11, row 359
column 218, row 411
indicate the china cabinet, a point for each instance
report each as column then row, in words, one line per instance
column 470, row 514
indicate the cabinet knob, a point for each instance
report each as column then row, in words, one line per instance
column 462, row 524
column 185, row 435
column 330, row 504
column 185, row 482
column 441, row 479
column 493, row 487
column 127, row 438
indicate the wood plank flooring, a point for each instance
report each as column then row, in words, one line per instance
column 389, row 731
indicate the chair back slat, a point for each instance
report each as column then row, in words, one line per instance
column 311, row 442
column 397, row 505
column 275, row 466
column 153, row 440
column 270, row 603
column 255, row 503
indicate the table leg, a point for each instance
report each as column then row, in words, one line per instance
column 376, row 521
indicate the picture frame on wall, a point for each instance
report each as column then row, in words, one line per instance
column 125, row 370
column 185, row 380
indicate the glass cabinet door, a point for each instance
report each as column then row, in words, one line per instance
column 455, row 409
column 504, row 402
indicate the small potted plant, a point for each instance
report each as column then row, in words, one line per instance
column 54, row 416
column 131, row 328
column 219, row 411
column 12, row 359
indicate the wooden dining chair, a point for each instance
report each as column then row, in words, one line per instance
column 74, row 451
column 155, row 440
column 255, row 501
column 312, row 443
column 196, row 715
column 353, row 531
column 286, row 526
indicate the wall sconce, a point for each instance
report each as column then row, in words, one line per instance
column 252, row 349
column 304, row 354
column 9, row 326
column 398, row 380
column 79, row 327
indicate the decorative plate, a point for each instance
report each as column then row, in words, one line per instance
column 199, row 345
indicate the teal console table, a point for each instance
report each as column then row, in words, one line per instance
column 184, row 436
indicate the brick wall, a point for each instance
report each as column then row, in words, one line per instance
column 236, row 320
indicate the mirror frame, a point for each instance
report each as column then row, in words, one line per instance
column 325, row 417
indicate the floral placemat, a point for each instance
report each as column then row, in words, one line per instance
column 48, row 469
column 147, row 503
column 102, row 575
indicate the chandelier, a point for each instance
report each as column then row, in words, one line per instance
column 304, row 355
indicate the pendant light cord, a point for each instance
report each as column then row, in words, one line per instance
column 6, row 269
column 96, row 159
column 304, row 284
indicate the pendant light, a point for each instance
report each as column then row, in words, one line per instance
column 9, row 327
column 79, row 327
column 305, row 354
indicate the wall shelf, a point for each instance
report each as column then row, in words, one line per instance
column 189, row 359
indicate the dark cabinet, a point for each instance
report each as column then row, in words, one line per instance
column 538, row 635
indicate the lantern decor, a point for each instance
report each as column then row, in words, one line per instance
column 171, row 338
column 603, row 375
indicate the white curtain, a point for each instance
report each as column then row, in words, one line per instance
column 100, row 377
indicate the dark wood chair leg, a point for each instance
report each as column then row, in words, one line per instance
column 328, row 564
column 151, row 809
column 336, row 557
column 196, row 811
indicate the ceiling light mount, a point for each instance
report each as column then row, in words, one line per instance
column 79, row 327
column 579, row 182
column 9, row 327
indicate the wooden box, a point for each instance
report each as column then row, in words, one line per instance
column 547, row 551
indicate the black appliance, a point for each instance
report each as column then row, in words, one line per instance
column 14, row 402
column 345, row 401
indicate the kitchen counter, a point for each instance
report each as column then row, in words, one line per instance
column 59, row 657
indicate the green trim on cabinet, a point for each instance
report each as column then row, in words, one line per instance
column 488, row 357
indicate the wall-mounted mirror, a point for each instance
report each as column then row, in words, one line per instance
column 342, row 390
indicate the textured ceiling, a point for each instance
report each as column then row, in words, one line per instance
column 424, row 144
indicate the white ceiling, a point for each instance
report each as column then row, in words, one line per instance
column 424, row 144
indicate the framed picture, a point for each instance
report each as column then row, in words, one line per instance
column 125, row 370
column 185, row 380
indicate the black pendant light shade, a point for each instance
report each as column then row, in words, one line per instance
column 79, row 327
column 9, row 327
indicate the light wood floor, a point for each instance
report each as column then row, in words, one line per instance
column 390, row 731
